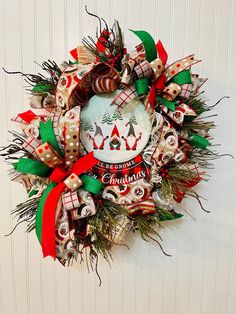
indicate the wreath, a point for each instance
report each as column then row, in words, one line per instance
column 113, row 141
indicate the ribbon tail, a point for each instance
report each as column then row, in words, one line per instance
column 48, row 228
column 74, row 53
column 152, row 97
column 162, row 52
column 27, row 116
column 39, row 213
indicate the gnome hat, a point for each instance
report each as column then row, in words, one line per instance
column 131, row 130
column 98, row 130
column 115, row 132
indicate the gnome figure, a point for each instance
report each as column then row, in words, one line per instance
column 115, row 139
column 131, row 140
column 98, row 139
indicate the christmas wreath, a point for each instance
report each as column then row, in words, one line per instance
column 112, row 143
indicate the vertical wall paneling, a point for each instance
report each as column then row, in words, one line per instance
column 200, row 277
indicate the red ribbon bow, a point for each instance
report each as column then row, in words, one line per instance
column 58, row 175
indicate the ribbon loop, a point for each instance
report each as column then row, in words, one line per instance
column 73, row 182
column 171, row 91
column 47, row 135
column 157, row 67
column 32, row 166
column 124, row 97
column 143, row 70
column 141, row 86
column 127, row 74
column 179, row 66
column 48, row 155
column 169, row 104
column 91, row 184
column 148, row 43
column 182, row 78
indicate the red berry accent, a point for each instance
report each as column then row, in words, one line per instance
column 99, row 202
column 174, row 91
column 46, row 147
column 159, row 66
column 178, row 65
column 173, row 72
column 72, row 177
column 40, row 151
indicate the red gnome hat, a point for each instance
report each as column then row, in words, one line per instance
column 115, row 132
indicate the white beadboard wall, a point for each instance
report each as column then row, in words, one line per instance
column 200, row 277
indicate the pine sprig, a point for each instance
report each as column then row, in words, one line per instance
column 177, row 181
column 102, row 225
column 47, row 84
column 146, row 227
column 26, row 212
column 199, row 125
